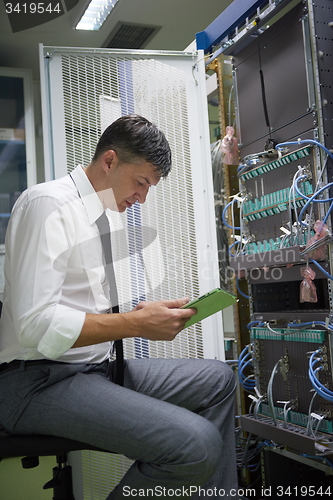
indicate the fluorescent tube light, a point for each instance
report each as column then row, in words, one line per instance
column 95, row 14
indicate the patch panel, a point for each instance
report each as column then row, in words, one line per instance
column 284, row 160
column 296, row 418
column 273, row 203
column 278, row 243
column 289, row 334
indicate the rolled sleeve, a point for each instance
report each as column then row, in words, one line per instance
column 64, row 330
column 54, row 274
column 41, row 320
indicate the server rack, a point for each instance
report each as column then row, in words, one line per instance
column 281, row 55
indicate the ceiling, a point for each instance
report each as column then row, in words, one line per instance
column 179, row 21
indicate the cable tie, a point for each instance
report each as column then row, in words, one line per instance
column 284, row 230
column 236, row 197
column 316, row 416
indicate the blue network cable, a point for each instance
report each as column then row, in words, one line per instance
column 310, row 200
column 309, row 323
column 240, row 291
column 224, row 214
column 306, row 197
column 305, row 141
column 255, row 323
column 320, row 389
column 245, row 360
column 328, row 213
column 302, row 195
column 321, row 269
column 232, row 246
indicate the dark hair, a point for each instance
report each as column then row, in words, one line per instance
column 135, row 139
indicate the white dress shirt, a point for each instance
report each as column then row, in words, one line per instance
column 54, row 272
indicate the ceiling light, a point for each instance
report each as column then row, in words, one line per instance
column 95, row 14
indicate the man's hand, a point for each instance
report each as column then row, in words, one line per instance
column 162, row 320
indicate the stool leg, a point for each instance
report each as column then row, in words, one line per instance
column 62, row 482
column 63, row 489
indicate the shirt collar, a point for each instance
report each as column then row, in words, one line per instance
column 87, row 193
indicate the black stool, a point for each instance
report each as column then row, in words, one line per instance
column 33, row 447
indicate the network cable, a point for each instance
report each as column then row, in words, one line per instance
column 256, row 401
column 222, row 237
column 224, row 215
column 255, row 323
column 309, row 426
column 321, row 269
column 270, row 392
column 310, row 200
column 298, row 178
column 299, row 192
column 240, row 291
column 286, row 410
column 248, row 454
column 305, row 141
column 310, row 323
column 245, row 360
column 320, row 389
column 238, row 252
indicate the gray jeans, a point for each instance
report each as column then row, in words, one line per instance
column 174, row 417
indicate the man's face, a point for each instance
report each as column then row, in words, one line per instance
column 130, row 182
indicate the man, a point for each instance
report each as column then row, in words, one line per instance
column 174, row 418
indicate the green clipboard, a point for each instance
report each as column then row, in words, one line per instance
column 209, row 304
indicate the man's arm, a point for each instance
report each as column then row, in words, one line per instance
column 37, row 244
column 161, row 320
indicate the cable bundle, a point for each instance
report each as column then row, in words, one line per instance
column 245, row 360
column 320, row 389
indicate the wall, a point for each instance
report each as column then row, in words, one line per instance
column 18, row 483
